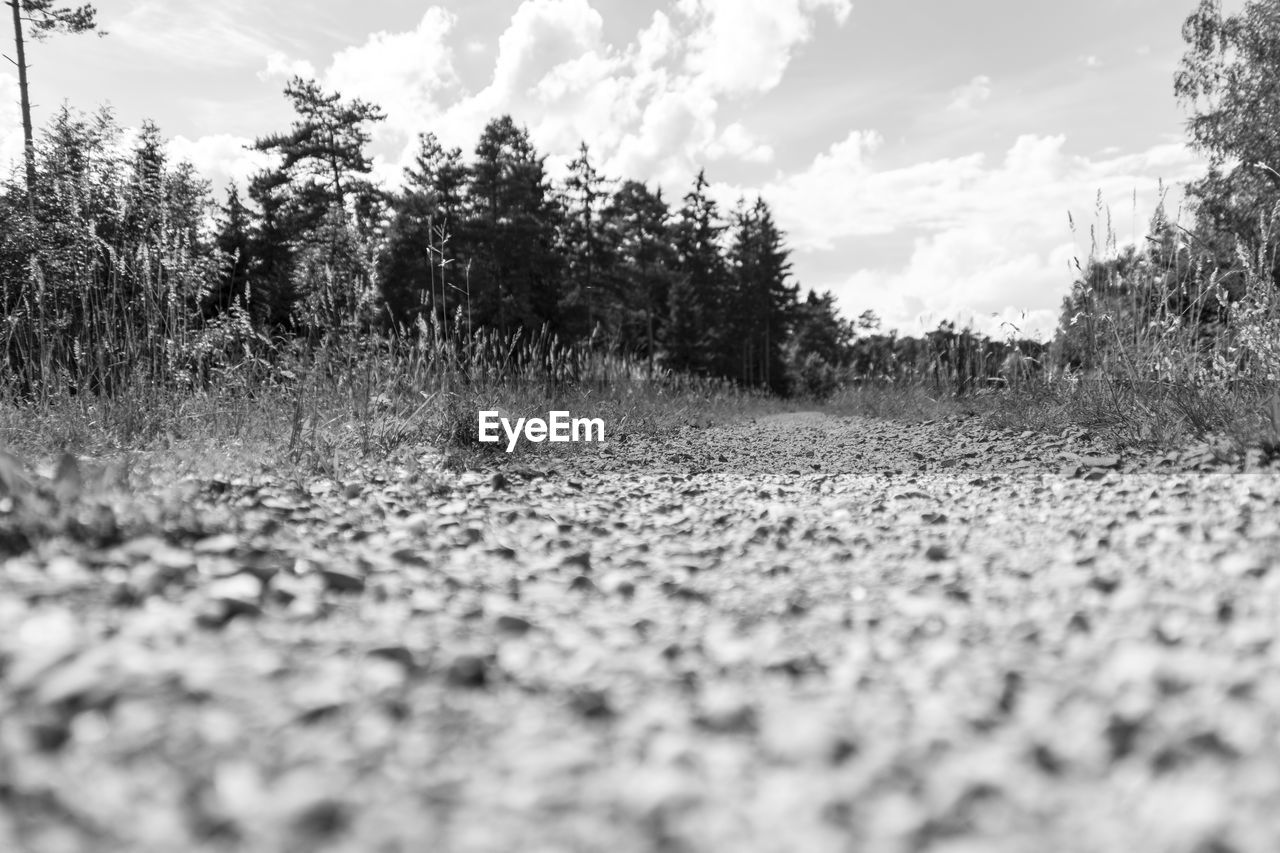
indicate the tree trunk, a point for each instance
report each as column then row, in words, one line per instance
column 29, row 145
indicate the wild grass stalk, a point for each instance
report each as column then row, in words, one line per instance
column 1179, row 345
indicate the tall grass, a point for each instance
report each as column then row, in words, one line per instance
column 1172, row 345
column 347, row 396
column 109, row 343
column 1157, row 345
column 109, row 340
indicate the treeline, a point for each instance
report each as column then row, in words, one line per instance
column 115, row 260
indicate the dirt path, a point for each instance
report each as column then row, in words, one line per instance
column 803, row 633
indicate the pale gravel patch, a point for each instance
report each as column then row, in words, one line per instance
column 802, row 633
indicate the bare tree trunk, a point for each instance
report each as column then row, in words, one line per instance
column 27, row 135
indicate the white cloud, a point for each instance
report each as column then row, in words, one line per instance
column 738, row 142
column 404, row 73
column 655, row 42
column 280, row 65
column 968, row 96
column 1090, row 61
column 409, row 75
column 842, row 193
column 992, row 238
column 744, row 46
column 10, row 122
column 544, row 36
column 649, row 108
column 219, row 158
column 971, row 276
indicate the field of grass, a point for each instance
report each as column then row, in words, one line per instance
column 1157, row 349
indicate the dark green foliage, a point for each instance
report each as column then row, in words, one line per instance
column 1104, row 295
column 820, row 349
column 762, row 302
column 272, row 250
column 318, row 212
column 124, row 264
column 1229, row 80
column 820, row 330
column 508, row 242
column 1227, row 77
column 46, row 18
column 233, row 242
column 103, row 275
column 590, row 292
column 640, row 224
column 324, row 153
column 415, row 272
column 1197, row 305
column 699, row 294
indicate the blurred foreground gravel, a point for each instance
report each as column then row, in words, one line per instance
column 797, row 634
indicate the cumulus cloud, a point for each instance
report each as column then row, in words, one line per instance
column 743, row 46
column 279, row 65
column 410, row 75
column 407, row 74
column 544, row 36
column 971, row 276
column 991, row 238
column 843, row 194
column 220, row 158
column 651, row 107
column 737, row 142
column 971, row 94
column 555, row 73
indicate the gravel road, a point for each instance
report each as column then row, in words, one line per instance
column 802, row 633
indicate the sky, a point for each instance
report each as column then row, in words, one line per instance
column 926, row 158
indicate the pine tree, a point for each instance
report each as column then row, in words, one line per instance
column 821, row 347
column 590, row 281
column 319, row 210
column 509, row 234
column 233, row 242
column 417, row 265
column 696, row 329
column 761, row 302
column 323, row 154
column 639, row 220
column 272, row 249
column 144, row 203
column 821, row 331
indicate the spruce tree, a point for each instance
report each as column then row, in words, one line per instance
column 590, row 280
column 761, row 302
column 319, row 210
column 696, row 331
column 233, row 242
column 509, row 234
column 640, row 222
column 417, row 266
